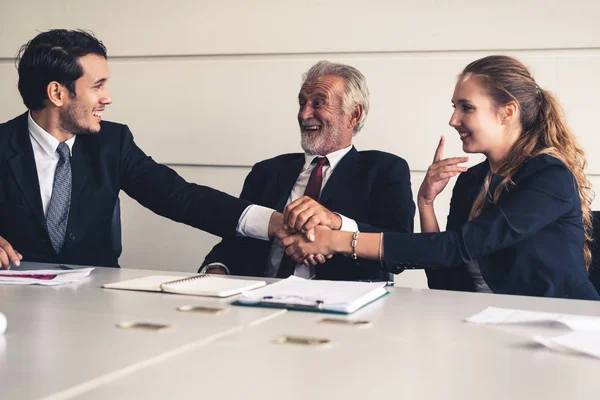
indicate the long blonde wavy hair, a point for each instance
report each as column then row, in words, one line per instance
column 545, row 131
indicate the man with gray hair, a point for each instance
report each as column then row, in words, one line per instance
column 331, row 184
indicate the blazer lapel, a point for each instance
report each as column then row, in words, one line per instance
column 343, row 173
column 473, row 185
column 23, row 167
column 286, row 180
column 79, row 173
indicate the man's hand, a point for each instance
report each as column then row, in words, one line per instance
column 275, row 223
column 8, row 255
column 305, row 214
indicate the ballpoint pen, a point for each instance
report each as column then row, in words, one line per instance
column 387, row 283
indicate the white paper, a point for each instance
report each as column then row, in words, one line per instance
column 586, row 342
column 62, row 276
column 148, row 283
column 199, row 285
column 494, row 315
column 339, row 296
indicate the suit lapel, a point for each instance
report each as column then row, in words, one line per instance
column 287, row 176
column 342, row 175
column 79, row 172
column 473, row 185
column 23, row 167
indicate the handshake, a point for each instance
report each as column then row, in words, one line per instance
column 305, row 229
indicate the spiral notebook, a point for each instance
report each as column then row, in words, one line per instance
column 198, row 285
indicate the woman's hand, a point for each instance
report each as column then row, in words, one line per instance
column 303, row 251
column 438, row 175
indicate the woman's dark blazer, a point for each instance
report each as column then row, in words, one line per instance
column 529, row 243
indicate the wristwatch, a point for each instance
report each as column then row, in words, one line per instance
column 208, row 267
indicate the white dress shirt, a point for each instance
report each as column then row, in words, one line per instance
column 254, row 221
column 46, row 158
column 276, row 253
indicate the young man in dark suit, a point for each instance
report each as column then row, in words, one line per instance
column 331, row 183
column 62, row 167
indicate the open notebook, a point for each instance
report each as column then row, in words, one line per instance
column 198, row 285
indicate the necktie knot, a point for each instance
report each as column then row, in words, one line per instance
column 321, row 161
column 63, row 151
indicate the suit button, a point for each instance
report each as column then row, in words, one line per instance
column 72, row 236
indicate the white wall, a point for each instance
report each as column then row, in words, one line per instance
column 210, row 87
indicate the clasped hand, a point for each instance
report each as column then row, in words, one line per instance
column 305, row 221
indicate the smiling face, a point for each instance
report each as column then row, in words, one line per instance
column 324, row 126
column 477, row 119
column 81, row 112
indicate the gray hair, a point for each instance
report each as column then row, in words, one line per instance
column 355, row 92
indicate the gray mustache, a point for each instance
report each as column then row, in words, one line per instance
column 304, row 124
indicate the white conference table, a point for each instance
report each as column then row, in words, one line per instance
column 417, row 346
column 60, row 337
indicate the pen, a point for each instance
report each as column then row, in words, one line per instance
column 265, row 300
column 62, row 266
column 387, row 283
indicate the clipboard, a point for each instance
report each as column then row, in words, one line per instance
column 336, row 297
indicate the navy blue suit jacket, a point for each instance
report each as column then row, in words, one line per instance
column 371, row 187
column 102, row 164
column 529, row 243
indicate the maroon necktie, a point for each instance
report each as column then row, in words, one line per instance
column 313, row 190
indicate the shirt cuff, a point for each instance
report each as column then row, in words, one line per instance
column 348, row 225
column 254, row 222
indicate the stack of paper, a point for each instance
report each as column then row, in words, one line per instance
column 585, row 338
column 46, row 277
column 333, row 296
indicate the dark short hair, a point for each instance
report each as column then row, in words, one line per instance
column 53, row 56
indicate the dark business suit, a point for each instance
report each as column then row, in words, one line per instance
column 102, row 164
column 529, row 243
column 371, row 187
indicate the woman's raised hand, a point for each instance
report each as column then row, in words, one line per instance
column 438, row 175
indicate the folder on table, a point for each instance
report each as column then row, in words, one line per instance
column 311, row 295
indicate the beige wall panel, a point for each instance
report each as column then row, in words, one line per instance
column 236, row 111
column 153, row 27
column 579, row 92
column 12, row 105
column 595, row 180
column 153, row 242
column 239, row 110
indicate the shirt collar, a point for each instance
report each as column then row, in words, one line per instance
column 46, row 141
column 334, row 158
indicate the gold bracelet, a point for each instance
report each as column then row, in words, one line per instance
column 380, row 254
column 353, row 244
